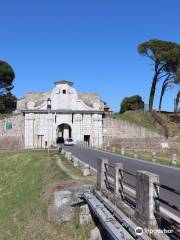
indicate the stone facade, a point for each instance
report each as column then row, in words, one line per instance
column 62, row 113
column 42, row 117
column 12, row 138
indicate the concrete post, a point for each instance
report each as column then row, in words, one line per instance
column 86, row 170
column 174, row 159
column 100, row 173
column 122, row 151
column 153, row 156
column 69, row 156
column 145, row 204
column 66, row 154
column 75, row 161
column 113, row 149
column 117, row 177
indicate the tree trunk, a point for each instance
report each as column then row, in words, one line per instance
column 163, row 89
column 160, row 100
column 177, row 102
column 152, row 92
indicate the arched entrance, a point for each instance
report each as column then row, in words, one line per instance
column 63, row 132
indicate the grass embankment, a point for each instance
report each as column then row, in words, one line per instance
column 161, row 157
column 23, row 208
column 139, row 118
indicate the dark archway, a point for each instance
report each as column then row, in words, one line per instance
column 63, row 132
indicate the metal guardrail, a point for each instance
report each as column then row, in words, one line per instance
column 125, row 196
column 167, row 188
column 127, row 182
column 164, row 218
column 109, row 177
column 110, row 184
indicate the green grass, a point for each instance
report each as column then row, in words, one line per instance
column 74, row 230
column 161, row 157
column 23, row 209
column 139, row 118
column 69, row 165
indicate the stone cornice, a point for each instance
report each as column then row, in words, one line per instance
column 64, row 111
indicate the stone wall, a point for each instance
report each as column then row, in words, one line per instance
column 123, row 129
column 121, row 133
column 12, row 138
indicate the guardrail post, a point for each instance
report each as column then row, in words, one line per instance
column 174, row 159
column 117, row 178
column 153, row 156
column 135, row 154
column 75, row 161
column 145, row 194
column 122, row 151
column 113, row 149
column 101, row 173
column 86, row 170
column 69, row 156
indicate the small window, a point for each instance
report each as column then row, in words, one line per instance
column 64, row 91
column 8, row 125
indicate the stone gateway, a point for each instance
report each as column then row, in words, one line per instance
column 62, row 113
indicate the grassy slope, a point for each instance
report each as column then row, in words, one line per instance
column 140, row 118
column 161, row 157
column 23, row 211
column 173, row 127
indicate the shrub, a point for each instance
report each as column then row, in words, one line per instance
column 131, row 103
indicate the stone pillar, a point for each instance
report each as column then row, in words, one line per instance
column 145, row 204
column 75, row 161
column 100, row 173
column 50, row 120
column 122, row 151
column 117, row 168
column 29, row 130
column 113, row 149
column 174, row 159
column 86, row 170
column 69, row 156
column 153, row 156
column 135, row 154
column 77, row 128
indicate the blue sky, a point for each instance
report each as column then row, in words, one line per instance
column 90, row 42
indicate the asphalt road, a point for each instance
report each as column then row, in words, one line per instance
column 169, row 176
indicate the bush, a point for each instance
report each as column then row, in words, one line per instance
column 131, row 103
